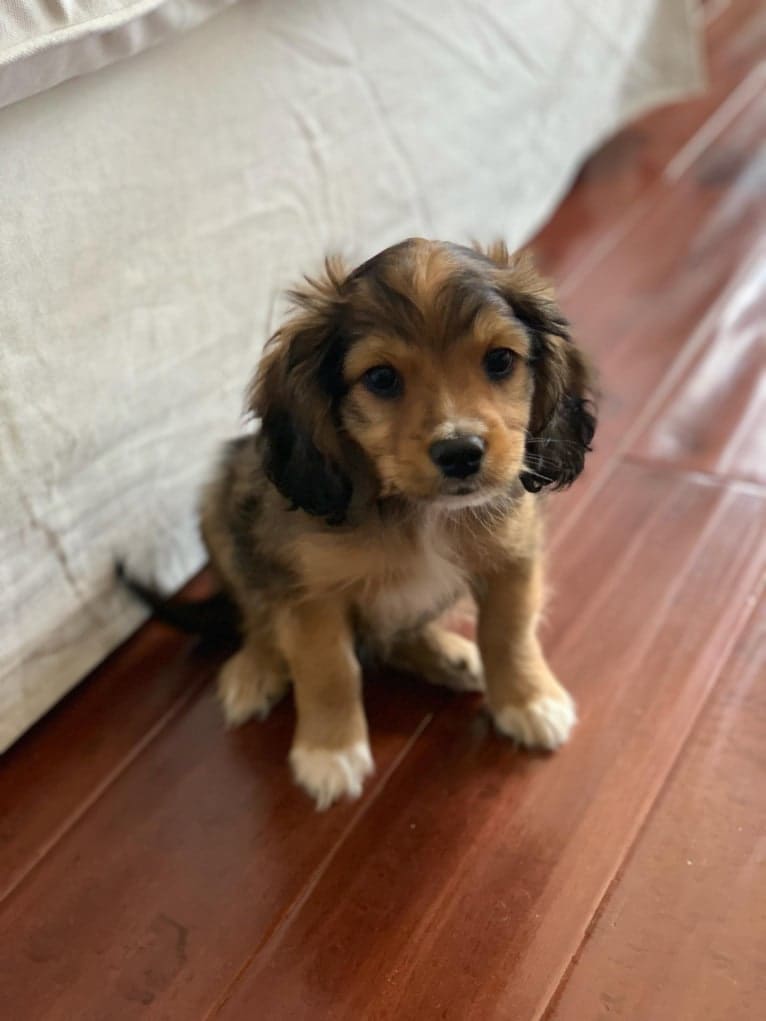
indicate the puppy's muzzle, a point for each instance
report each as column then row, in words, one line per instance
column 459, row 457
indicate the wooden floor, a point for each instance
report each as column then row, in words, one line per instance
column 155, row 866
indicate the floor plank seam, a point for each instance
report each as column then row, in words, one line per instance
column 98, row 792
column 694, row 343
column 714, row 126
column 750, row 607
column 697, row 475
column 292, row 909
column 568, row 285
column 675, row 168
column 711, row 12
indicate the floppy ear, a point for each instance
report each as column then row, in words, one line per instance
column 296, row 391
column 562, row 421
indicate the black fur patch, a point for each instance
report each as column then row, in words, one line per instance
column 556, row 456
column 556, row 447
column 216, row 617
column 301, row 473
column 241, row 519
column 259, row 569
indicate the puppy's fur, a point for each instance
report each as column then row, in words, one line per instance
column 333, row 527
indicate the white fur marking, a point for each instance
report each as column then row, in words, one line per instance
column 327, row 775
column 432, row 581
column 545, row 722
column 455, row 501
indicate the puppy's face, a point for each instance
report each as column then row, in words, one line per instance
column 449, row 369
column 439, row 385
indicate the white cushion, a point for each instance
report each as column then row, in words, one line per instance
column 44, row 42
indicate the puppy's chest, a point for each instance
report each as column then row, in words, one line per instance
column 426, row 583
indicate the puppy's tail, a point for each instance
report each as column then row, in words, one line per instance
column 215, row 618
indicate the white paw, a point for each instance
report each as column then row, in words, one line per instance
column 245, row 692
column 327, row 775
column 544, row 723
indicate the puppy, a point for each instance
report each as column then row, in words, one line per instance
column 411, row 412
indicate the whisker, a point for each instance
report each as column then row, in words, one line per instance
column 551, row 442
column 538, row 474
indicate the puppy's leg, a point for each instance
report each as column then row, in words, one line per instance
column 438, row 656
column 330, row 756
column 253, row 680
column 526, row 700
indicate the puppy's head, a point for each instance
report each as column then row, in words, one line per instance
column 432, row 373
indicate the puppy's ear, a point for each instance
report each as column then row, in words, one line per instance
column 562, row 421
column 296, row 392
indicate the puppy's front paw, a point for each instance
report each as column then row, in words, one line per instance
column 441, row 657
column 460, row 668
column 544, row 722
column 244, row 690
column 328, row 774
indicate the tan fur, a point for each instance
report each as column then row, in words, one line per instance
column 313, row 583
column 439, row 656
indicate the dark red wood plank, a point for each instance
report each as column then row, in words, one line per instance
column 714, row 418
column 68, row 759
column 683, row 932
column 467, row 886
column 153, row 901
column 641, row 310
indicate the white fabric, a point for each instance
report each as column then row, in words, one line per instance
column 45, row 42
column 153, row 211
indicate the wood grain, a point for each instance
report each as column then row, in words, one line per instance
column 51, row 776
column 154, row 900
column 644, row 310
column 713, row 418
column 683, row 932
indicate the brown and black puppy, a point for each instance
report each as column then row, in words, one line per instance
column 410, row 412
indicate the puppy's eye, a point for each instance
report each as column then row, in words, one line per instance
column 498, row 363
column 383, row 381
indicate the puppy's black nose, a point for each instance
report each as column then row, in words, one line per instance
column 459, row 457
